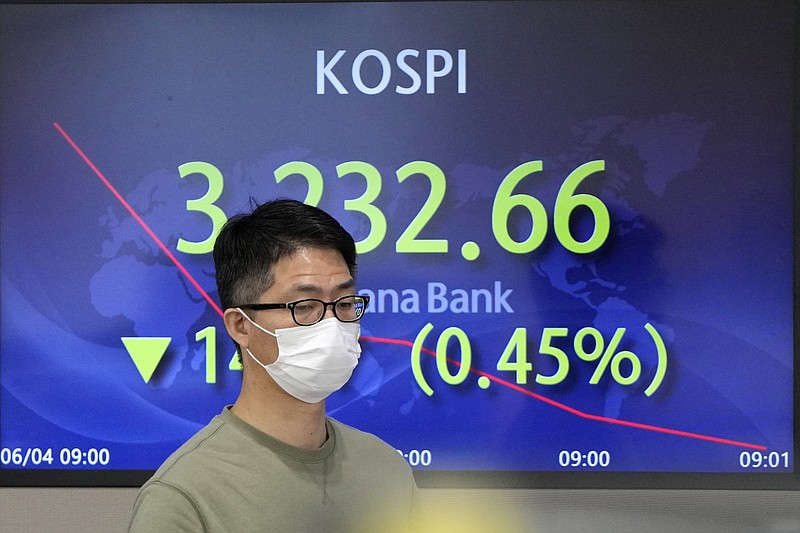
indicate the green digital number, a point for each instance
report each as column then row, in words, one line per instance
column 209, row 334
column 312, row 175
column 504, row 202
column 236, row 361
column 204, row 205
column 516, row 344
column 567, row 201
column 363, row 204
column 560, row 356
column 441, row 356
column 408, row 242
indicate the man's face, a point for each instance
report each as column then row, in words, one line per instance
column 310, row 273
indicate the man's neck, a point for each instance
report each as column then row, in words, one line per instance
column 283, row 417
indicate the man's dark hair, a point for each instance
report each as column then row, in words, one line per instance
column 249, row 246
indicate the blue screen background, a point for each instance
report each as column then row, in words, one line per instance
column 689, row 107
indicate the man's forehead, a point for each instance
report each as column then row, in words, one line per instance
column 311, row 286
column 312, row 270
column 312, row 258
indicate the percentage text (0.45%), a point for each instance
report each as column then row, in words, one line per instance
column 588, row 344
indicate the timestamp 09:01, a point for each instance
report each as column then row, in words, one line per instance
column 764, row 460
column 67, row 456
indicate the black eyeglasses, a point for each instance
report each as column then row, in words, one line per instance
column 309, row 311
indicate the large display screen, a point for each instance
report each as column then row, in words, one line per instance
column 576, row 222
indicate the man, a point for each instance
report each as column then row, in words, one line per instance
column 273, row 461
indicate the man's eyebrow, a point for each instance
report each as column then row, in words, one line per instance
column 349, row 284
column 305, row 287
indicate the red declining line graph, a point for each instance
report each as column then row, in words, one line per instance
column 139, row 219
column 400, row 342
column 572, row 410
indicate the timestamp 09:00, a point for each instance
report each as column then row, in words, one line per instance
column 67, row 456
column 417, row 457
column 590, row 459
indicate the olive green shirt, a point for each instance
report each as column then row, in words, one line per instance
column 230, row 477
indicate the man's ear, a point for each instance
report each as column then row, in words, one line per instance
column 235, row 324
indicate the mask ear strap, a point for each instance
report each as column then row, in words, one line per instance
column 256, row 325
column 259, row 363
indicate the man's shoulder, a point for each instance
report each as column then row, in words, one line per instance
column 367, row 447
column 355, row 436
column 376, row 473
column 198, row 455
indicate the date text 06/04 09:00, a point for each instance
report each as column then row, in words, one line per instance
column 66, row 457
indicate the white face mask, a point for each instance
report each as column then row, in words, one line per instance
column 313, row 361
